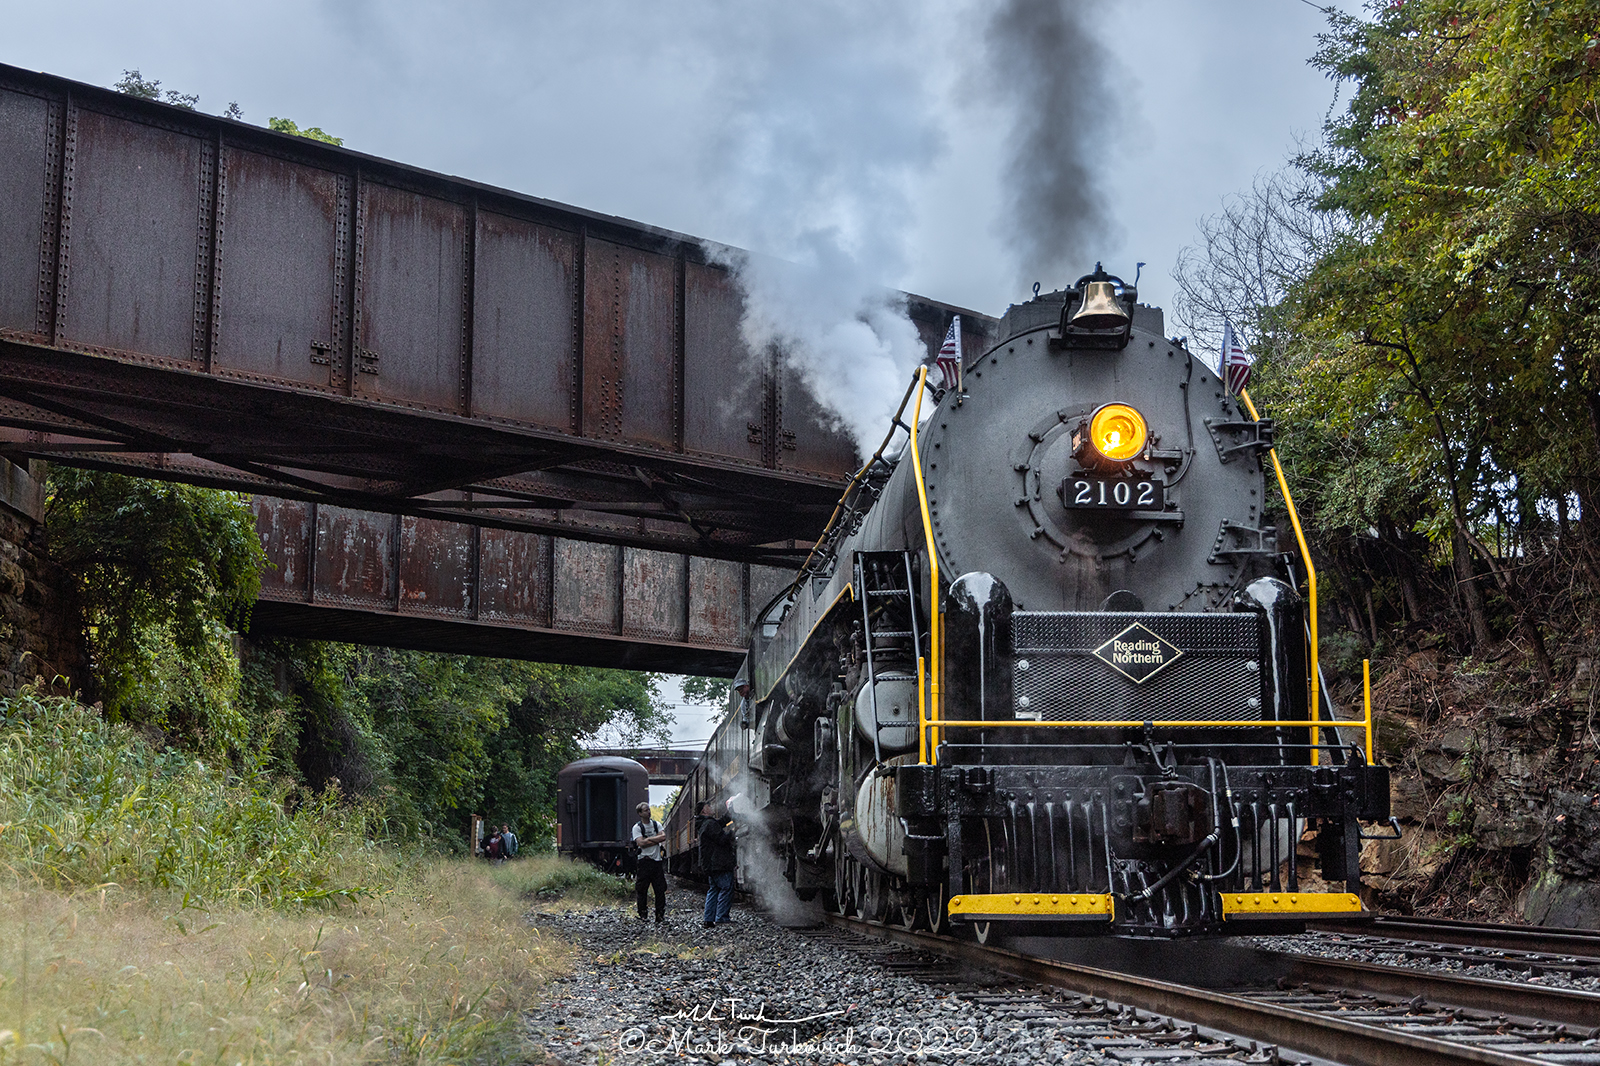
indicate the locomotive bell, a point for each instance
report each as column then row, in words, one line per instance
column 1100, row 309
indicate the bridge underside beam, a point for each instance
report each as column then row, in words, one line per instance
column 402, row 581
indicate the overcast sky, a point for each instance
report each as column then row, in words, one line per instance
column 665, row 112
column 879, row 142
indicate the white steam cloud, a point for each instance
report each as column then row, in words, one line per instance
column 823, row 136
column 763, row 869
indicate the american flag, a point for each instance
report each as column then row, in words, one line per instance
column 949, row 358
column 1236, row 362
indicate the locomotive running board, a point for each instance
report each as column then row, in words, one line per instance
column 1031, row 907
column 1244, row 906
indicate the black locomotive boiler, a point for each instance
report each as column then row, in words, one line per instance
column 1048, row 670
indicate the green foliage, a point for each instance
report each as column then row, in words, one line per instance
column 135, row 84
column 557, row 710
column 164, row 573
column 86, row 802
column 1426, row 291
column 285, row 125
column 549, row 879
column 710, row 691
column 438, row 737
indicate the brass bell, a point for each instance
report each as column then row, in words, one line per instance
column 1100, row 309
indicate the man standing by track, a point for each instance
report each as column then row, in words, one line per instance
column 716, row 860
column 648, row 836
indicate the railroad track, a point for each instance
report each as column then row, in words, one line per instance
column 1530, row 940
column 1356, row 1014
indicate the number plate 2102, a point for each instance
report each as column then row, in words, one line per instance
column 1099, row 493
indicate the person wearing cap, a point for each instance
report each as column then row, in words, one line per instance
column 741, row 692
column 648, row 837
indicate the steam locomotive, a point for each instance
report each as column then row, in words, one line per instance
column 1047, row 671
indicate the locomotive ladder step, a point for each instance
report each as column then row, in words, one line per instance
column 893, row 633
column 888, row 592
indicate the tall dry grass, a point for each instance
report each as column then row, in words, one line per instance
column 435, row 970
column 153, row 909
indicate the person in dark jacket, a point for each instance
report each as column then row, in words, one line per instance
column 715, row 831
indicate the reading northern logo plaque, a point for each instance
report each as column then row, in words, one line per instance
column 1138, row 654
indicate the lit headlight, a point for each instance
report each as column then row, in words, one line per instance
column 1117, row 432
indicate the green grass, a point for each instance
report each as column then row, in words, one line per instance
column 86, row 803
column 547, row 879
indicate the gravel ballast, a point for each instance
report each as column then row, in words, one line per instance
column 754, row 992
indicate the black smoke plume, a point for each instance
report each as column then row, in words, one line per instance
column 1051, row 74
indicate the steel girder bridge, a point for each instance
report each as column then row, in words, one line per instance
column 476, row 420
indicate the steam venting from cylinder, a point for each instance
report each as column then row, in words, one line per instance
column 762, row 867
column 1053, row 77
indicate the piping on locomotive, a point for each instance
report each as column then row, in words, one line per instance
column 1048, row 669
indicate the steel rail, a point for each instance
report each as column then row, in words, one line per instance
column 1533, row 939
column 1325, row 1036
column 1532, row 1002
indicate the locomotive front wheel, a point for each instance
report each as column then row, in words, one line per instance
column 986, row 874
column 933, row 904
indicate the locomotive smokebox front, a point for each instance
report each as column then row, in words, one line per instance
column 1085, row 462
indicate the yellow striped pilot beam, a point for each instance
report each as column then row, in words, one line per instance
column 1244, row 905
column 1033, row 906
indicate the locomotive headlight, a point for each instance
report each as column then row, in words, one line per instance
column 1118, row 432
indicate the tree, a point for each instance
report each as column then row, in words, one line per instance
column 1470, row 294
column 135, row 84
column 707, row 691
column 164, row 573
column 285, row 125
column 1425, row 289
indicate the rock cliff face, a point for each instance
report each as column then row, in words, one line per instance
column 41, row 634
column 1497, row 792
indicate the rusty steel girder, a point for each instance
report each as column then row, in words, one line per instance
column 367, row 577
column 187, row 297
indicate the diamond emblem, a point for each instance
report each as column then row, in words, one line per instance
column 1138, row 654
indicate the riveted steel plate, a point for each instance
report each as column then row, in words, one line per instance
column 284, row 527
column 134, row 237
column 355, row 557
column 654, row 594
column 437, row 563
column 629, row 344
column 716, row 601
column 279, row 252
column 24, row 137
column 724, row 388
column 514, row 577
column 413, row 285
column 524, row 325
column 587, row 587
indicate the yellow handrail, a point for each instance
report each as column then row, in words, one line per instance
column 922, row 712
column 930, row 745
column 1123, row 723
column 1366, row 695
column 1311, row 586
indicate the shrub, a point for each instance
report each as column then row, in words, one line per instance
column 85, row 802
